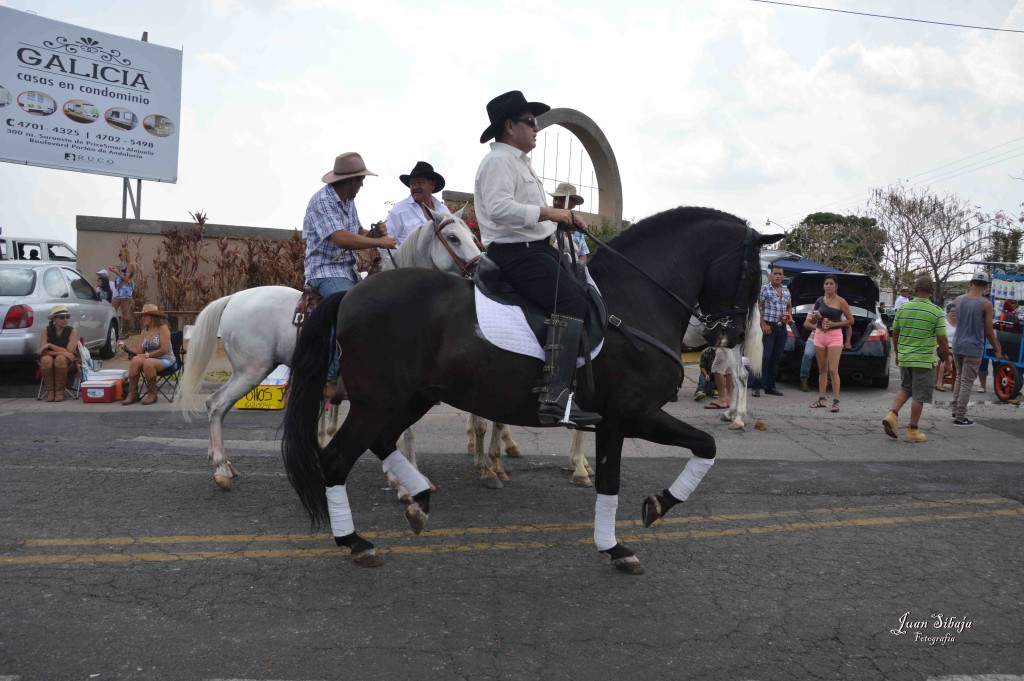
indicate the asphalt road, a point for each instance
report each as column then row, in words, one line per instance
column 797, row 558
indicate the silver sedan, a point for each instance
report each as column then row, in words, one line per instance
column 28, row 291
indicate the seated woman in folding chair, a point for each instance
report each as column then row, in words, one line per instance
column 57, row 345
column 154, row 354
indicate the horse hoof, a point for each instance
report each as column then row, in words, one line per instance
column 491, row 481
column 590, row 471
column 651, row 511
column 582, row 481
column 736, row 426
column 232, row 469
column 367, row 559
column 416, row 517
column 630, row 565
column 514, row 453
column 223, row 482
column 502, row 475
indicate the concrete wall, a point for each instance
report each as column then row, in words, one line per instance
column 99, row 240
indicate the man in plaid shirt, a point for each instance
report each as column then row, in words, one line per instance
column 332, row 231
column 776, row 305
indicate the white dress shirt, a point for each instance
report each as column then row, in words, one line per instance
column 407, row 215
column 508, row 197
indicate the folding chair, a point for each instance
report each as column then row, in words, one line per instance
column 167, row 379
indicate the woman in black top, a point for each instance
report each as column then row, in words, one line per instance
column 830, row 315
column 57, row 345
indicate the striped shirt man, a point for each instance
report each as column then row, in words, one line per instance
column 919, row 323
column 773, row 306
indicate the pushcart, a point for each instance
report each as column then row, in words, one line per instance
column 1008, row 322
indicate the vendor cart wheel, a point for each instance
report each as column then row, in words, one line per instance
column 1006, row 382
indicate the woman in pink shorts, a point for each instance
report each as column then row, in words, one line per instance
column 830, row 314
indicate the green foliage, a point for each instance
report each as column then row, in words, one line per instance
column 848, row 243
column 604, row 231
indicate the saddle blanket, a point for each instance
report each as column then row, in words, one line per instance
column 505, row 326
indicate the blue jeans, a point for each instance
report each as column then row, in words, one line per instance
column 328, row 286
column 704, row 385
column 774, row 345
column 805, row 361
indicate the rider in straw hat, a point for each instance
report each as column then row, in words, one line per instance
column 411, row 212
column 516, row 224
column 332, row 232
column 565, row 196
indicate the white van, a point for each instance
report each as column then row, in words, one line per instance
column 34, row 248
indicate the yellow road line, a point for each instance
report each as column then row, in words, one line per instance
column 497, row 529
column 759, row 530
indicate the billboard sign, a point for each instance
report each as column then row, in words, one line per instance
column 77, row 99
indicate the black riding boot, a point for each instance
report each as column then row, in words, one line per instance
column 560, row 368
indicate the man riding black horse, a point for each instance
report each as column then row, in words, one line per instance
column 516, row 224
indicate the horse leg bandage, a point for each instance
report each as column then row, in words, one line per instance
column 340, row 511
column 691, row 476
column 604, row 521
column 406, row 474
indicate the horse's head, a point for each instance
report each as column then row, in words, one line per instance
column 453, row 248
column 729, row 294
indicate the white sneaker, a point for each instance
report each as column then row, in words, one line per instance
column 979, row 390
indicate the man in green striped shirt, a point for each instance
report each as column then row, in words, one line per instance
column 918, row 325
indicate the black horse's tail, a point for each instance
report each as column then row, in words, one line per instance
column 299, row 446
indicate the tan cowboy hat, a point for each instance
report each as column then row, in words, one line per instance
column 566, row 189
column 58, row 309
column 152, row 310
column 506, row 106
column 349, row 164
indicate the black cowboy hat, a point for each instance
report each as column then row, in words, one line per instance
column 424, row 169
column 506, row 106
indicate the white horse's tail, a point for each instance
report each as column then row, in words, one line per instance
column 201, row 345
column 753, row 346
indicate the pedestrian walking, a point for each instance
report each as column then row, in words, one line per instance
column 973, row 326
column 918, row 326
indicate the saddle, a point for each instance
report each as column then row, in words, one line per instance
column 489, row 282
column 308, row 301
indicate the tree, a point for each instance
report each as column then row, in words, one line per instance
column 848, row 243
column 1007, row 238
column 940, row 235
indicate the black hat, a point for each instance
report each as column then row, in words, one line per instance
column 424, row 169
column 506, row 106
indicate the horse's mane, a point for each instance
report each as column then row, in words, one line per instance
column 661, row 225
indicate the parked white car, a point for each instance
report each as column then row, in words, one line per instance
column 29, row 290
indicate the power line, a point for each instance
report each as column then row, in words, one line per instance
column 886, row 16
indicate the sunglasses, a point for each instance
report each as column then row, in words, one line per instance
column 529, row 120
column 62, row 316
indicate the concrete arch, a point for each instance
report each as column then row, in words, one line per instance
column 601, row 156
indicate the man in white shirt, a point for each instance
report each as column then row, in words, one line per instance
column 515, row 226
column 903, row 297
column 411, row 212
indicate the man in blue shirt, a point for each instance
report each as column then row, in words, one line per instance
column 332, row 231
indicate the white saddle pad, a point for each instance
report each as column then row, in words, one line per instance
column 505, row 326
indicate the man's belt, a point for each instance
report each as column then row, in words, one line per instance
column 779, row 323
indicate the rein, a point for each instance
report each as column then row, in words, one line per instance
column 465, row 268
column 711, row 321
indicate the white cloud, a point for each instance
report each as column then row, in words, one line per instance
column 217, row 59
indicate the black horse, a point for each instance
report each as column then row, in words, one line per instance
column 409, row 339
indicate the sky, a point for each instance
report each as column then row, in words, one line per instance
column 766, row 111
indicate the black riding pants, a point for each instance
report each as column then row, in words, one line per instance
column 531, row 268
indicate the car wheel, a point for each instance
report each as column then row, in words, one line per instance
column 881, row 381
column 110, row 347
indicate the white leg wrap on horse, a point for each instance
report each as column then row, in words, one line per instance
column 691, row 476
column 406, row 473
column 604, row 521
column 340, row 511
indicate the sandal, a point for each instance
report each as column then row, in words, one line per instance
column 819, row 404
column 835, row 406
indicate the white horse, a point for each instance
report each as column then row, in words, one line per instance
column 695, row 336
column 257, row 333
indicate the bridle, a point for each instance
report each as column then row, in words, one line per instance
column 465, row 268
column 718, row 320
